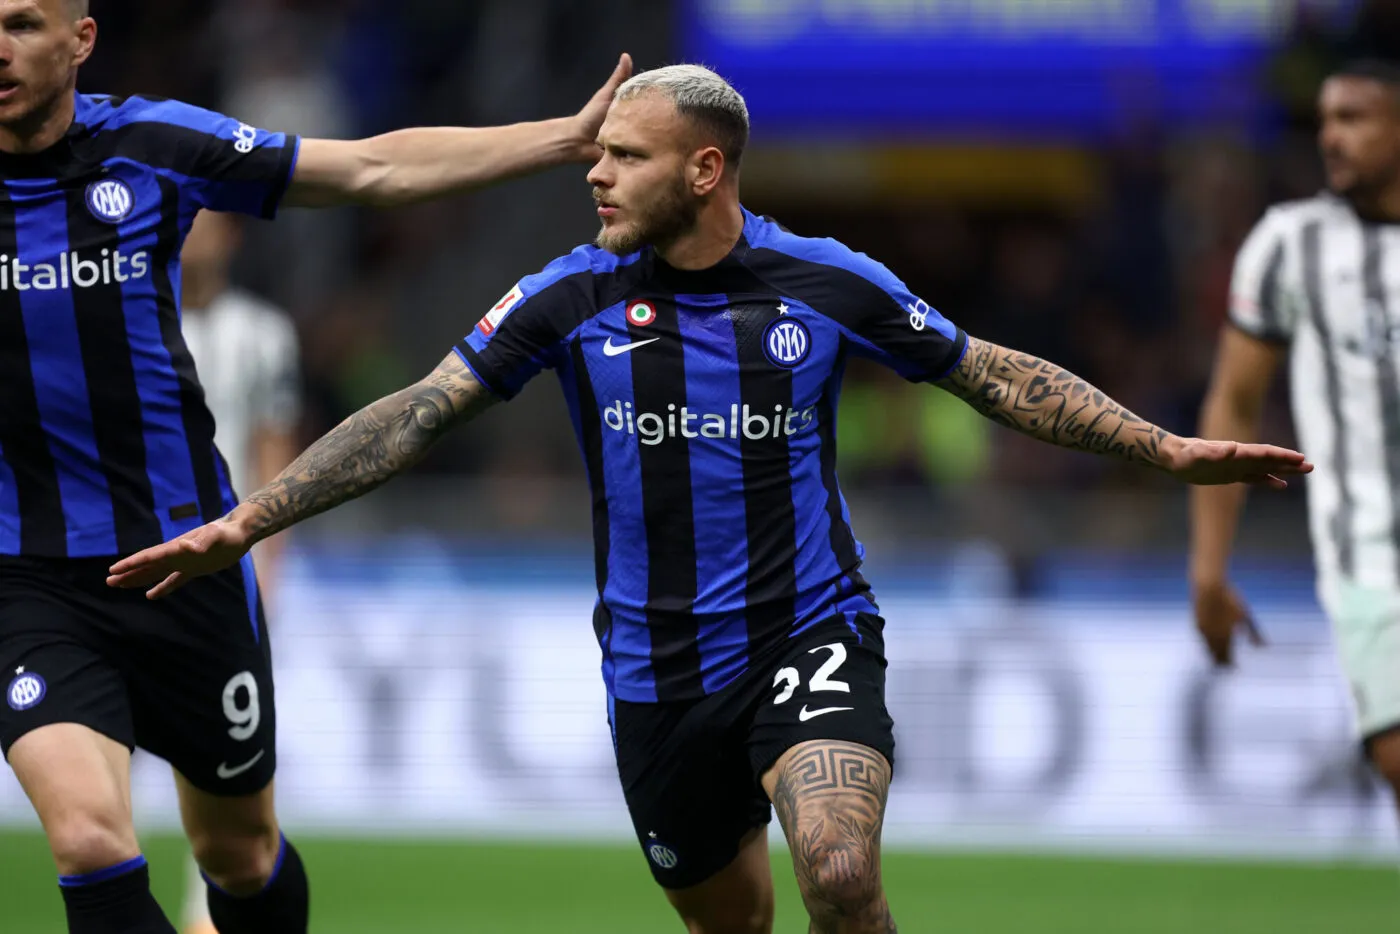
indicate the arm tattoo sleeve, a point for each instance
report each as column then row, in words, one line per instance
column 1040, row 399
column 382, row 439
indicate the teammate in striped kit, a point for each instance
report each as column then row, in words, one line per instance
column 107, row 447
column 700, row 349
column 1318, row 281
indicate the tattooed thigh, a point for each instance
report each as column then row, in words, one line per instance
column 830, row 797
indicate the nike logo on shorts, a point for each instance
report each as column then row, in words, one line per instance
column 804, row 714
column 612, row 350
column 224, row 772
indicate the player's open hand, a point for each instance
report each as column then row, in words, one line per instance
column 590, row 118
column 171, row 565
column 1211, row 463
column 1220, row 613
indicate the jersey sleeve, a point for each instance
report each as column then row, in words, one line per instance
column 524, row 332
column 227, row 165
column 897, row 328
column 881, row 319
column 1259, row 304
column 276, row 401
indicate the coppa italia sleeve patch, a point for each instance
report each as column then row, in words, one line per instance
column 488, row 324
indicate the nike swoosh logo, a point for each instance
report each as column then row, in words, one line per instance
column 804, row 714
column 612, row 350
column 224, row 772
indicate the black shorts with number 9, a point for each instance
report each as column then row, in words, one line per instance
column 692, row 770
column 187, row 678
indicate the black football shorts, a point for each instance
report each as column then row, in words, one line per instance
column 187, row 677
column 692, row 770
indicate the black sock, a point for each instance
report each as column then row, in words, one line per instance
column 281, row 907
column 115, row 900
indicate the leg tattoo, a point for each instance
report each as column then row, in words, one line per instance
column 830, row 797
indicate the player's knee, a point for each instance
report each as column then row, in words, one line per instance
column 843, row 878
column 84, row 842
column 239, row 863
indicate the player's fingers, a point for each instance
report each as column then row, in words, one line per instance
column 1219, row 647
column 621, row 73
column 1271, row 452
column 1252, row 630
column 158, row 554
column 140, row 577
column 166, row 587
column 1280, row 466
column 137, row 561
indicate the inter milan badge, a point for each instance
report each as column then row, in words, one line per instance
column 26, row 690
column 786, row 341
column 110, row 200
column 641, row 314
column 663, row 856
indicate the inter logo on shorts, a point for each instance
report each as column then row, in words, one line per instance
column 663, row 856
column 110, row 200
column 26, row 690
column 641, row 314
column 786, row 341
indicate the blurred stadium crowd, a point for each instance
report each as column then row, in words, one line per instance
column 1123, row 279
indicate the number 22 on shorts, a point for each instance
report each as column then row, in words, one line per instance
column 822, row 680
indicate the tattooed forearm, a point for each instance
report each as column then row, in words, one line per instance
column 1042, row 400
column 364, row 451
column 830, row 798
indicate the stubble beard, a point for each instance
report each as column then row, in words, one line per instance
column 665, row 220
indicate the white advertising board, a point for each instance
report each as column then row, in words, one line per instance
column 416, row 706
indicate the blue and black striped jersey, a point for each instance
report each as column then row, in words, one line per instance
column 106, row 445
column 705, row 405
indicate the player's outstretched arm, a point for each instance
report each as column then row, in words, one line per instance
column 381, row 440
column 1045, row 401
column 428, row 162
column 1233, row 408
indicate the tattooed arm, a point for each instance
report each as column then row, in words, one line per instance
column 363, row 452
column 1040, row 399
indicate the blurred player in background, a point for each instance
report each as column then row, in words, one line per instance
column 700, row 349
column 107, row 447
column 249, row 364
column 1319, row 281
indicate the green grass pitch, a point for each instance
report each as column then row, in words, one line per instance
column 364, row 886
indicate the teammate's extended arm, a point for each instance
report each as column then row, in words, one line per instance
column 381, row 440
column 428, row 162
column 1045, row 401
column 1233, row 408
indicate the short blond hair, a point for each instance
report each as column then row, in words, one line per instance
column 702, row 97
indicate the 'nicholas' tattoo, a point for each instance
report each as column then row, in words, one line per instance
column 382, row 439
column 1045, row 401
